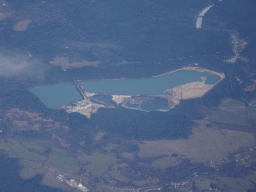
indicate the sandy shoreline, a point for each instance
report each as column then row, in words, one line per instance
column 199, row 69
column 193, row 86
column 193, row 90
column 186, row 91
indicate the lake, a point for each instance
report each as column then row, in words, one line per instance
column 148, row 86
column 65, row 93
column 57, row 95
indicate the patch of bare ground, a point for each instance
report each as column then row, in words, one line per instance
column 205, row 144
column 16, row 113
column 118, row 99
column 65, row 64
column 234, row 127
column 25, row 120
column 99, row 136
column 4, row 15
column 85, row 107
column 189, row 91
column 21, row 25
column 194, row 89
column 231, row 105
column 61, row 141
column 20, row 123
column 24, row 126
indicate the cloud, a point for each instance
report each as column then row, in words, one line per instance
column 21, row 66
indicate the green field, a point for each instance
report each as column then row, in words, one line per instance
column 227, row 184
column 30, row 169
column 227, row 117
column 62, row 161
column 204, row 183
column 98, row 163
column 252, row 112
column 23, row 152
column 141, row 183
column 39, row 152
column 115, row 174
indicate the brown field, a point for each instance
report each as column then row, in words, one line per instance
column 204, row 144
column 4, row 15
column 230, row 111
column 65, row 64
column 231, row 105
column 21, row 25
column 25, row 120
column 235, row 127
column 99, row 136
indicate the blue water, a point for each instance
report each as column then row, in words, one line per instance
column 149, row 104
column 65, row 93
column 148, row 86
column 155, row 104
column 103, row 99
column 57, row 95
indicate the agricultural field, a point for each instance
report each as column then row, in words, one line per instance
column 98, row 163
column 230, row 111
column 22, row 151
column 252, row 112
column 228, row 117
column 204, row 144
column 62, row 160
